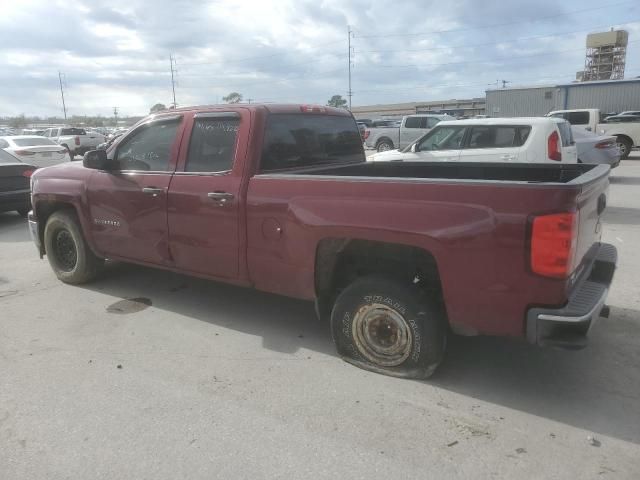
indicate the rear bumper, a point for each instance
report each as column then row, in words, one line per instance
column 569, row 326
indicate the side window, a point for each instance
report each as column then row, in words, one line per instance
column 578, row 118
column 432, row 122
column 500, row 136
column 213, row 144
column 412, row 122
column 149, row 148
column 442, row 138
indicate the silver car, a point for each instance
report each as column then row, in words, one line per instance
column 593, row 148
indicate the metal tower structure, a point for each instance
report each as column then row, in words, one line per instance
column 606, row 56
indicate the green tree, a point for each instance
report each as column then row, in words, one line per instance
column 158, row 107
column 233, row 97
column 337, row 101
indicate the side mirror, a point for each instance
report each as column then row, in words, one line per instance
column 414, row 148
column 97, row 160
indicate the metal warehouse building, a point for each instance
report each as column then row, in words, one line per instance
column 608, row 95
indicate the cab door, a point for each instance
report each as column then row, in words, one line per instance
column 205, row 199
column 128, row 205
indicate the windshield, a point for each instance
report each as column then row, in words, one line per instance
column 6, row 157
column 32, row 142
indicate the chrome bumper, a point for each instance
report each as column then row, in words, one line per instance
column 569, row 326
column 33, row 231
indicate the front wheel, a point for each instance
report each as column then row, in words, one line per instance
column 67, row 251
column 624, row 145
column 388, row 327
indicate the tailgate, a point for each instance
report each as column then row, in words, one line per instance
column 591, row 204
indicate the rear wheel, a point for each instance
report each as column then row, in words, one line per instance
column 67, row 251
column 624, row 145
column 387, row 327
column 384, row 145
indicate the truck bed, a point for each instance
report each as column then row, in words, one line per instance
column 527, row 173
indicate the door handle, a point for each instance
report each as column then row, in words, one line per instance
column 153, row 191
column 221, row 197
column 508, row 157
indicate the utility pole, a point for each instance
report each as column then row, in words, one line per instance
column 173, row 81
column 504, row 83
column 115, row 115
column 64, row 107
column 349, row 93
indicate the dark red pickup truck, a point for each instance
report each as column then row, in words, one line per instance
column 280, row 198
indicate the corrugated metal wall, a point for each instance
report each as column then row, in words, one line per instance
column 529, row 102
column 608, row 97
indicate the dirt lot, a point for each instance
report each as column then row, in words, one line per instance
column 212, row 381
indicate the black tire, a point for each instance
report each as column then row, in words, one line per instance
column 384, row 326
column 67, row 251
column 625, row 146
column 384, row 145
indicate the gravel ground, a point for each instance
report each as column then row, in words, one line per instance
column 212, row 381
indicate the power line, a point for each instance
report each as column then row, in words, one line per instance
column 581, row 49
column 437, row 32
column 517, row 39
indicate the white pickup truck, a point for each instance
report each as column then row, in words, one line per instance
column 411, row 128
column 627, row 133
column 76, row 140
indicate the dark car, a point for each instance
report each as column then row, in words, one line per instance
column 14, row 184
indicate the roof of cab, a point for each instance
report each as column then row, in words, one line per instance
column 270, row 107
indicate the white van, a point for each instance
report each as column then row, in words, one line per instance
column 517, row 140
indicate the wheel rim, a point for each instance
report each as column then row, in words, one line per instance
column 383, row 147
column 65, row 250
column 623, row 148
column 382, row 335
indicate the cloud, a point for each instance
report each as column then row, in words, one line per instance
column 116, row 52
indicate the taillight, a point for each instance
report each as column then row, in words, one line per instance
column 24, row 153
column 312, row 109
column 553, row 146
column 27, row 173
column 605, row 144
column 553, row 244
column 366, row 134
column 77, row 140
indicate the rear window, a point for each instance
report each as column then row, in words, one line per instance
column 577, row 118
column 73, row 131
column 7, row 158
column 294, row 141
column 32, row 142
column 565, row 133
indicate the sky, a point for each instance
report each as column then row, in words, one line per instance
column 116, row 53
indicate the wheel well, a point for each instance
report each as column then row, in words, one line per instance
column 340, row 261
column 43, row 211
column 384, row 139
column 628, row 139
